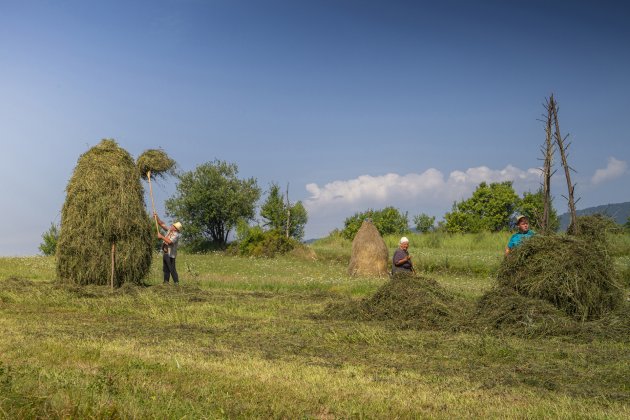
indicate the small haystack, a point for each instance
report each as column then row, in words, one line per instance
column 574, row 274
column 104, row 214
column 407, row 302
column 370, row 256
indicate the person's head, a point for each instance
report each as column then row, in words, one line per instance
column 522, row 223
column 404, row 242
column 177, row 226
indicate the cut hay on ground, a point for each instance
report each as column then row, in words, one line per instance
column 408, row 302
column 157, row 162
column 574, row 274
column 505, row 311
column 104, row 206
column 370, row 256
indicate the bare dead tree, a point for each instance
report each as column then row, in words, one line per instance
column 562, row 147
column 547, row 151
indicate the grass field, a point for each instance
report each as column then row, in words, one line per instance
column 241, row 338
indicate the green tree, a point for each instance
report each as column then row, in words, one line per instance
column 489, row 209
column 531, row 205
column 424, row 222
column 627, row 225
column 275, row 211
column 388, row 221
column 210, row 201
column 50, row 237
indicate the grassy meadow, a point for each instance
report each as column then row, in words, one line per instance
column 243, row 337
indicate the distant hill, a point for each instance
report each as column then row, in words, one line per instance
column 618, row 211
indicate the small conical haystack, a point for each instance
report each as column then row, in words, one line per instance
column 370, row 256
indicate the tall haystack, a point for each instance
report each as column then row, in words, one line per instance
column 104, row 216
column 370, row 256
column 575, row 274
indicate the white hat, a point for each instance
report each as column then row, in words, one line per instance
column 404, row 239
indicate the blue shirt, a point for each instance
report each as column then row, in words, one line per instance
column 517, row 238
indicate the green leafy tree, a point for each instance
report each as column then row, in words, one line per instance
column 424, row 222
column 50, row 239
column 627, row 225
column 531, row 205
column 388, row 221
column 275, row 212
column 210, row 201
column 489, row 209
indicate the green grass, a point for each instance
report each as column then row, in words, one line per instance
column 240, row 338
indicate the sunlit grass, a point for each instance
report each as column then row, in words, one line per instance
column 241, row 338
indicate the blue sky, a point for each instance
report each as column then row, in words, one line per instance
column 355, row 104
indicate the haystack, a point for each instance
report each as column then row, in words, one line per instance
column 407, row 302
column 104, row 211
column 574, row 274
column 370, row 256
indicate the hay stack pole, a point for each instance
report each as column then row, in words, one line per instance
column 547, row 173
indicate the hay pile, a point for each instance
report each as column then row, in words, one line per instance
column 104, row 206
column 407, row 302
column 574, row 274
column 370, row 256
column 157, row 162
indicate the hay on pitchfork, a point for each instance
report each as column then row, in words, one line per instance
column 155, row 161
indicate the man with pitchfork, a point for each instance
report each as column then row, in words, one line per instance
column 169, row 248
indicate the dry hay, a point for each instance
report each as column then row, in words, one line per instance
column 104, row 206
column 407, row 302
column 157, row 162
column 504, row 310
column 596, row 227
column 574, row 274
column 370, row 256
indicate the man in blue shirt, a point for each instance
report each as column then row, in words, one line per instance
column 523, row 233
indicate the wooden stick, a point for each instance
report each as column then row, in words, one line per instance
column 111, row 280
column 157, row 228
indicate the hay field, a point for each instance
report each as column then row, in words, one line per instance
column 244, row 338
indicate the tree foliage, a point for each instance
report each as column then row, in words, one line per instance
column 275, row 211
column 490, row 208
column 211, row 199
column 388, row 221
column 531, row 205
column 50, row 238
column 424, row 222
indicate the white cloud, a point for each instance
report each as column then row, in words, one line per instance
column 615, row 169
column 430, row 192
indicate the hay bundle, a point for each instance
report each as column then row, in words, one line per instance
column 155, row 161
column 104, row 206
column 408, row 302
column 575, row 275
column 504, row 309
column 370, row 256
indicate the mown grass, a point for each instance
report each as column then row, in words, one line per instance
column 241, row 338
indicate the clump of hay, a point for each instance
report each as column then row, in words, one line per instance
column 407, row 302
column 104, row 206
column 596, row 227
column 155, row 161
column 574, row 274
column 370, row 256
column 504, row 310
